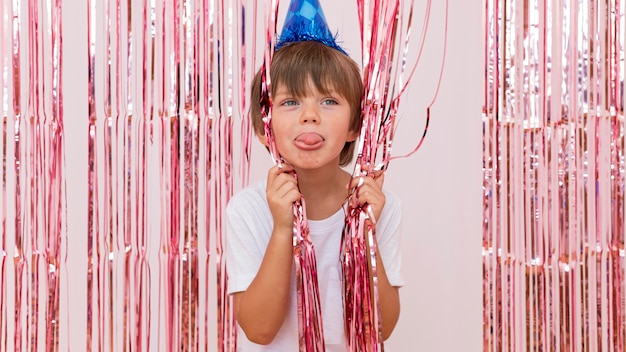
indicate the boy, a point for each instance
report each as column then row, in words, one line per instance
column 316, row 94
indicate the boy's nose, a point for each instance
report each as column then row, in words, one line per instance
column 310, row 115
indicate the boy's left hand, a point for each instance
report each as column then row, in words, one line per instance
column 369, row 191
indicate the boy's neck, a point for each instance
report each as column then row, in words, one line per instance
column 324, row 191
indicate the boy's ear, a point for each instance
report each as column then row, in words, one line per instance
column 263, row 139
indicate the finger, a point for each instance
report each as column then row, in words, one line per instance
column 361, row 182
column 279, row 169
column 380, row 178
column 272, row 172
column 292, row 195
column 357, row 182
column 370, row 196
column 286, row 183
column 282, row 183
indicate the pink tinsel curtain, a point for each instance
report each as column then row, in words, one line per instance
column 553, row 124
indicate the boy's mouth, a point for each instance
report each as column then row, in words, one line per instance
column 309, row 141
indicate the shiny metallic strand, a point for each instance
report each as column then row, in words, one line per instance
column 225, row 23
column 93, row 257
column 18, row 133
column 5, row 59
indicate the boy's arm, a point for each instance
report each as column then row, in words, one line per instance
column 261, row 309
column 388, row 297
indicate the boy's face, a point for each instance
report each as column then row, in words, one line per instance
column 310, row 131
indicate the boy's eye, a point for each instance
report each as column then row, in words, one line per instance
column 289, row 103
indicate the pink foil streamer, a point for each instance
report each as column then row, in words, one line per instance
column 141, row 269
column 127, row 178
column 223, row 166
column 172, row 234
column 56, row 199
column 5, row 49
column 165, row 197
column 361, row 302
column 19, row 259
column 382, row 28
column 553, row 154
column 111, row 204
column 209, row 118
column 247, row 69
column 191, row 152
column 33, row 172
column 92, row 217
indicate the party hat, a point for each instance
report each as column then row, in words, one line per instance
column 305, row 21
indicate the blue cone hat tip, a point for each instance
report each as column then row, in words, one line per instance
column 305, row 21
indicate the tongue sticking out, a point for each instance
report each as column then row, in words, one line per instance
column 309, row 140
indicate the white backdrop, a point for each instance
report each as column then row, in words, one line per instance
column 440, row 185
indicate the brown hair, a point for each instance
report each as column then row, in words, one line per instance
column 295, row 65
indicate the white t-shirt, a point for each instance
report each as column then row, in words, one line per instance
column 248, row 229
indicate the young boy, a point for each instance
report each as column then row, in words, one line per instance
column 316, row 94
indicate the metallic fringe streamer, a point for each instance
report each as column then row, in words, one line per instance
column 385, row 27
column 167, row 110
column 5, row 49
column 33, row 175
column 553, row 237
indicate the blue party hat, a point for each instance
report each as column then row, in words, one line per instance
column 305, row 21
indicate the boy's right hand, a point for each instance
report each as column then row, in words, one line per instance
column 282, row 191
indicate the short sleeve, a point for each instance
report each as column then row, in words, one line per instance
column 248, row 229
column 388, row 235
